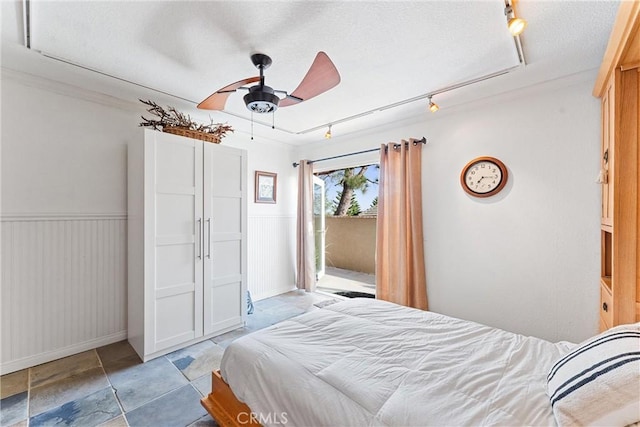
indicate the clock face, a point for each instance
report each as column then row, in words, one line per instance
column 483, row 177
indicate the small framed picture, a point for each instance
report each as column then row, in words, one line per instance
column 266, row 187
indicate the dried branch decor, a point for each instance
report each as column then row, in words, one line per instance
column 173, row 121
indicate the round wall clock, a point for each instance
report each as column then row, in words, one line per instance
column 483, row 176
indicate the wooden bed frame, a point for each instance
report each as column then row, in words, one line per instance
column 225, row 407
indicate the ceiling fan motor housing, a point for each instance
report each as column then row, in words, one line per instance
column 261, row 99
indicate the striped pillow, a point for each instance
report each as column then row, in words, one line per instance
column 598, row 382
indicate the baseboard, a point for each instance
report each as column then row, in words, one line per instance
column 28, row 362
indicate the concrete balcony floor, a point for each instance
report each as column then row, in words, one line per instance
column 340, row 280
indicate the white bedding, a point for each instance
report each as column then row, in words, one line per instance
column 369, row 362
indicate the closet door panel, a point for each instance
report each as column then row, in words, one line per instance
column 228, row 215
column 177, row 213
column 175, row 314
column 174, row 265
column 225, row 258
column 173, row 230
column 225, row 303
column 225, row 238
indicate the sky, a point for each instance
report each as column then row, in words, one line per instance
column 364, row 200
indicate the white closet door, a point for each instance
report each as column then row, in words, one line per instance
column 225, row 224
column 173, row 240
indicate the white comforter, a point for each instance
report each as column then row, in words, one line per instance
column 369, row 362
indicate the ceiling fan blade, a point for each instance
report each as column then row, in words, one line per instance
column 321, row 77
column 218, row 99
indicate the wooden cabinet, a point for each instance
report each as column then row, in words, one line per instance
column 187, row 242
column 618, row 86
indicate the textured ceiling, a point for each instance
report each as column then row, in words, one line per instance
column 385, row 51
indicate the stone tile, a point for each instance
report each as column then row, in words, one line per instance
column 14, row 383
column 118, row 356
column 260, row 320
column 140, row 383
column 236, row 333
column 63, row 368
column 297, row 294
column 13, row 409
column 119, row 421
column 92, row 409
column 179, row 408
column 205, row 421
column 224, row 344
column 112, row 353
column 54, row 394
column 121, row 364
column 197, row 360
column 268, row 303
column 203, row 384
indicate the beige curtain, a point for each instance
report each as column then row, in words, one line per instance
column 400, row 269
column 305, row 243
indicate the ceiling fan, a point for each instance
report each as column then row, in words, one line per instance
column 261, row 98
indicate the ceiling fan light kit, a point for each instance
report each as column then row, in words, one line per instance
column 261, row 99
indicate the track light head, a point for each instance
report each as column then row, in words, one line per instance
column 433, row 107
column 327, row 135
column 515, row 25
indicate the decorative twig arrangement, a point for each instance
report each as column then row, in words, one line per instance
column 172, row 118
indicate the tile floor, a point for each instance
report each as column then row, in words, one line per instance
column 110, row 386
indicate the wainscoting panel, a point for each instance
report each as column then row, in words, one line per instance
column 271, row 255
column 63, row 286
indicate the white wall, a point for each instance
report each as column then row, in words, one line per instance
column 271, row 227
column 526, row 260
column 63, row 197
column 63, row 220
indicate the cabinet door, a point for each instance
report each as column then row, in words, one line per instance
column 607, row 157
column 225, row 213
column 173, row 240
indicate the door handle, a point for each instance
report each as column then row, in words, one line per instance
column 209, row 238
column 200, row 238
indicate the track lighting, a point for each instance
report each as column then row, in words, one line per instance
column 516, row 25
column 433, row 107
column 328, row 134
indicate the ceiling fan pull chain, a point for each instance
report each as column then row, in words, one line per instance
column 252, row 125
column 273, row 119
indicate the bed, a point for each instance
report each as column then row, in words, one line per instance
column 367, row 362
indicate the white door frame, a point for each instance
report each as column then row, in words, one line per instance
column 319, row 229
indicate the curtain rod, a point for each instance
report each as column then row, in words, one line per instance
column 295, row 164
